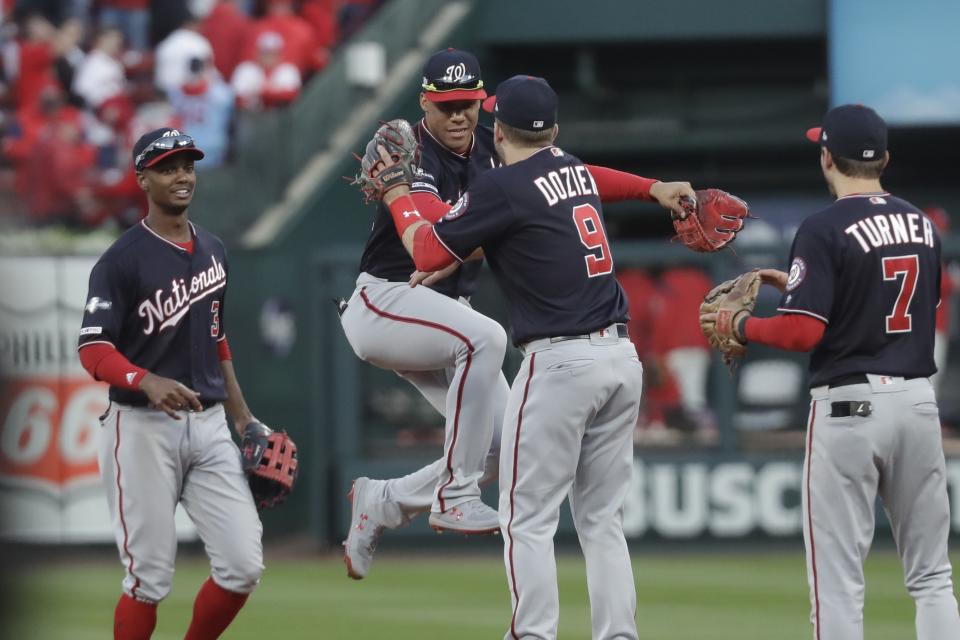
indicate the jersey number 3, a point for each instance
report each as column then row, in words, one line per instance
column 900, row 321
column 593, row 237
column 215, row 324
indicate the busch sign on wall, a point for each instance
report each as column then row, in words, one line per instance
column 50, row 487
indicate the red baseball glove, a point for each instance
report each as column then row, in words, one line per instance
column 712, row 222
column 270, row 461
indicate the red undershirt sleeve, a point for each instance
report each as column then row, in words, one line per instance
column 788, row 331
column 104, row 362
column 616, row 185
column 428, row 253
column 429, row 205
column 404, row 212
column 223, row 350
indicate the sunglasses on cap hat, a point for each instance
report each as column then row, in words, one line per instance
column 466, row 82
column 164, row 146
column 452, row 74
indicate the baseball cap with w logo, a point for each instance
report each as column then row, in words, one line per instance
column 452, row 74
column 158, row 144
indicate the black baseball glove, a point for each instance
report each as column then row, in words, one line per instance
column 270, row 462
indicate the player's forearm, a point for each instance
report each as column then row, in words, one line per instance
column 430, row 206
column 614, row 186
column 788, row 331
column 416, row 234
column 235, row 404
column 104, row 362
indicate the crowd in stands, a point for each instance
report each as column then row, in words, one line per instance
column 665, row 328
column 81, row 80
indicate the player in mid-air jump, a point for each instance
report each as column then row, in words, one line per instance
column 153, row 328
column 862, row 294
column 429, row 335
column 570, row 414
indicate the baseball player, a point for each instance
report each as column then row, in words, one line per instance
column 153, row 328
column 430, row 336
column 570, row 414
column 862, row 294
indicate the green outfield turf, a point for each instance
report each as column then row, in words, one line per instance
column 450, row 597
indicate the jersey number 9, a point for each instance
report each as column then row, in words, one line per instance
column 593, row 237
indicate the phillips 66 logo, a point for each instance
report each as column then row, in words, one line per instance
column 49, row 406
column 49, row 435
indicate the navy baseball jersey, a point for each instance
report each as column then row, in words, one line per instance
column 540, row 224
column 162, row 308
column 868, row 266
column 446, row 175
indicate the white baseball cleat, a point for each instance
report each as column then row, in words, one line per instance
column 365, row 528
column 471, row 518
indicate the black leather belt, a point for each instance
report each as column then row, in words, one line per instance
column 620, row 328
column 859, row 378
column 844, row 381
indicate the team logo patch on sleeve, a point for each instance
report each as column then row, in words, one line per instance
column 458, row 208
column 798, row 270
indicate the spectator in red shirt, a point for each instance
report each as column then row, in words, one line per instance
column 678, row 337
column 660, row 393
column 29, row 124
column 227, row 28
column 36, row 53
column 322, row 16
column 269, row 80
column 298, row 45
column 60, row 168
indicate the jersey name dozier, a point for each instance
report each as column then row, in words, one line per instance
column 167, row 312
column 891, row 228
column 575, row 181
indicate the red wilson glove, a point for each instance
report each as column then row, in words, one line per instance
column 713, row 222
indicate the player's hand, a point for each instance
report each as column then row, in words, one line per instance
column 386, row 163
column 670, row 194
column 775, row 278
column 429, row 278
column 169, row 395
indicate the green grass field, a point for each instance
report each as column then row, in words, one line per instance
column 450, row 597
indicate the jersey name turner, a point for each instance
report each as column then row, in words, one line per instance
column 887, row 229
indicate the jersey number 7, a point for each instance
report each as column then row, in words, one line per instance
column 900, row 321
column 593, row 237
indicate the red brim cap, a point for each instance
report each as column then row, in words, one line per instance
column 456, row 94
column 197, row 155
column 813, row 135
column 489, row 104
